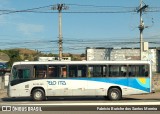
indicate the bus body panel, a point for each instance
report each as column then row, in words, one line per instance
column 82, row 87
column 79, row 86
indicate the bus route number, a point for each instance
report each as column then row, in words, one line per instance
column 56, row 82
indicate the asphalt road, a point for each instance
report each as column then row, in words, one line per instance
column 130, row 98
column 133, row 99
column 86, row 103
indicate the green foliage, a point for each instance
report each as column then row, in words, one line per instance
column 13, row 54
column 25, row 54
column 83, row 55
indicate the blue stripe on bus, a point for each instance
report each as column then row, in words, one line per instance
column 137, row 83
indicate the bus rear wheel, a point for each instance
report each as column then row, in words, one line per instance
column 38, row 95
column 114, row 94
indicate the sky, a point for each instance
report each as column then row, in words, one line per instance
column 39, row 31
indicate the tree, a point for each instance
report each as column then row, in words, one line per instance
column 83, row 55
column 14, row 56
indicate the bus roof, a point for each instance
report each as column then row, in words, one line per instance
column 80, row 62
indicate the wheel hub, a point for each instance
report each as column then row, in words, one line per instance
column 114, row 95
column 38, row 95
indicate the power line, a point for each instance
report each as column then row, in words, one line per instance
column 99, row 6
column 25, row 10
column 68, row 12
column 81, row 43
column 105, row 9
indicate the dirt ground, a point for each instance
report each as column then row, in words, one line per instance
column 3, row 93
column 150, row 96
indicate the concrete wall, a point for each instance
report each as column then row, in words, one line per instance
column 1, row 82
column 156, row 82
column 4, row 80
column 110, row 54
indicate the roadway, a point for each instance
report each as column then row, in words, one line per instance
column 145, row 99
column 139, row 102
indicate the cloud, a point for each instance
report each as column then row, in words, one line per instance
column 29, row 29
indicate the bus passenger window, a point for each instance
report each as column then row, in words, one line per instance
column 81, row 71
column 23, row 73
column 138, row 70
column 72, row 70
column 97, row 71
column 113, row 70
column 117, row 70
column 77, row 70
column 40, row 71
column 63, row 71
column 144, row 70
column 90, row 71
column 132, row 70
column 26, row 73
column 123, row 70
column 53, row 71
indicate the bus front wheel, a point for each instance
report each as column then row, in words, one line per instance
column 38, row 95
column 114, row 94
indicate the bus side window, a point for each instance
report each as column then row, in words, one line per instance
column 90, row 71
column 138, row 70
column 53, row 71
column 40, row 71
column 132, row 70
column 82, row 69
column 72, row 70
column 117, row 70
column 123, row 69
column 146, row 74
column 63, row 71
column 77, row 70
column 144, row 70
column 26, row 73
column 113, row 70
column 97, row 71
column 23, row 73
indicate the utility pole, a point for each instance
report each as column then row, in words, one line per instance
column 141, row 26
column 60, row 7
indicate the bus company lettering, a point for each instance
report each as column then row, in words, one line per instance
column 56, row 82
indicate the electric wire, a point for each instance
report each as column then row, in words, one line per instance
column 106, row 9
column 78, row 44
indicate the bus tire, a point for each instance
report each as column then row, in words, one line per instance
column 38, row 95
column 114, row 94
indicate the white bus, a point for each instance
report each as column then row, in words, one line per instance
column 112, row 79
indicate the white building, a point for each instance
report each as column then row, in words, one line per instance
column 112, row 54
